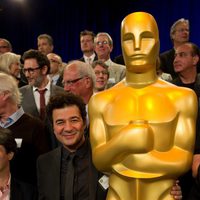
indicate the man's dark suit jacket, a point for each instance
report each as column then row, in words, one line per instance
column 22, row 191
column 48, row 173
column 166, row 62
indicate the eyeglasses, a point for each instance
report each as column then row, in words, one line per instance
column 101, row 72
column 71, row 82
column 101, row 43
column 182, row 30
column 30, row 70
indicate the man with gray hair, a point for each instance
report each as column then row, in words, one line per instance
column 79, row 79
column 29, row 132
column 45, row 44
column 103, row 49
column 179, row 34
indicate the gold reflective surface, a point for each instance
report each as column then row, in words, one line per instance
column 142, row 130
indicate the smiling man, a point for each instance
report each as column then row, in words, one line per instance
column 67, row 172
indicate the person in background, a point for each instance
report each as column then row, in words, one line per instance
column 179, row 34
column 79, row 79
column 45, row 44
column 186, row 60
column 39, row 89
column 103, row 49
column 87, row 46
column 10, row 63
column 10, row 187
column 5, row 46
column 102, row 75
column 56, row 69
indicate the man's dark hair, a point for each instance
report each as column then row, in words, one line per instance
column 64, row 99
column 42, row 59
column 86, row 32
column 46, row 36
column 7, row 140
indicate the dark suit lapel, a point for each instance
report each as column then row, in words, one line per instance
column 56, row 170
column 15, row 190
column 93, row 178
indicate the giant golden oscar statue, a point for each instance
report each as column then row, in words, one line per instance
column 142, row 129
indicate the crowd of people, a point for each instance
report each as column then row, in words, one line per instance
column 44, row 114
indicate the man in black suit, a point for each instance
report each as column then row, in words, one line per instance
column 11, row 188
column 69, row 121
column 87, row 46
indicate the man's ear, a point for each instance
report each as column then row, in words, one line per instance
column 10, row 155
column 195, row 59
column 44, row 69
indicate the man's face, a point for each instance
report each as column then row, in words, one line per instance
column 4, row 158
column 140, row 43
column 101, row 77
column 73, row 82
column 87, row 43
column 44, row 46
column 184, row 59
column 55, row 63
column 34, row 74
column 181, row 33
column 102, row 47
column 69, row 127
column 4, row 47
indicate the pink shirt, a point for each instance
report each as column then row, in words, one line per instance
column 5, row 192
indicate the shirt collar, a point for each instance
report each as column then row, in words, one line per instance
column 79, row 152
column 13, row 118
column 92, row 57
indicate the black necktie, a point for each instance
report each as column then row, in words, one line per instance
column 69, row 184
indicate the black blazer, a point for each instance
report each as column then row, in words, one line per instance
column 48, row 174
column 22, row 191
column 166, row 62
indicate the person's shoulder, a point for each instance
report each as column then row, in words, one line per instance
column 25, row 88
column 57, row 88
column 116, row 65
column 168, row 52
column 32, row 119
column 49, row 155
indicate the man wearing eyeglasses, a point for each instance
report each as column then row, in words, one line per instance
column 103, row 48
column 39, row 89
column 179, row 34
column 79, row 79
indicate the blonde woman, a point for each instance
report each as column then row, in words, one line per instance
column 10, row 63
